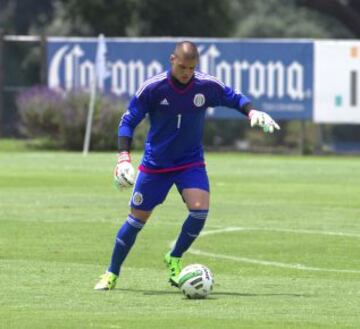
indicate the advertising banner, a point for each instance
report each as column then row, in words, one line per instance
column 276, row 75
column 337, row 87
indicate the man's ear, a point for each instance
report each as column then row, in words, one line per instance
column 172, row 58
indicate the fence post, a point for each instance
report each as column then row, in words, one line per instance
column 43, row 59
column 1, row 81
column 319, row 139
column 302, row 137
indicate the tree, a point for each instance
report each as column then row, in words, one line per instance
column 198, row 18
column 346, row 11
column 17, row 16
column 111, row 17
column 283, row 19
column 202, row 18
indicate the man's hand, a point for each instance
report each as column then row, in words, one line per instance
column 124, row 173
column 263, row 120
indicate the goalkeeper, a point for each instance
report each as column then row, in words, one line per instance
column 175, row 102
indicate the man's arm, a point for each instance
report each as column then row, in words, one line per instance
column 124, row 143
column 241, row 103
column 124, row 173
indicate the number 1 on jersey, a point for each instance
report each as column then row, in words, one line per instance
column 178, row 121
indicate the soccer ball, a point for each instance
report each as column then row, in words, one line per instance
column 196, row 281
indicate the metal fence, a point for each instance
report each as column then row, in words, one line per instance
column 22, row 65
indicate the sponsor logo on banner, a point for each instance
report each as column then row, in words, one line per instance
column 272, row 79
column 353, row 70
column 337, row 91
column 70, row 68
column 276, row 76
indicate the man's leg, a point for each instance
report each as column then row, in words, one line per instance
column 197, row 202
column 149, row 191
column 126, row 236
column 194, row 187
column 125, row 239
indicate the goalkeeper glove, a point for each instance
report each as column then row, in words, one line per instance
column 263, row 120
column 124, row 173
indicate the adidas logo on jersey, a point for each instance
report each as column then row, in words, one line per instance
column 164, row 102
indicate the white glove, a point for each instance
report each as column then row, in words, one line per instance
column 124, row 173
column 263, row 120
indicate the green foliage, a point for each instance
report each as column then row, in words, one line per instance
column 39, row 112
column 201, row 18
column 237, row 134
column 16, row 17
column 283, row 19
column 64, row 22
column 111, row 18
column 61, row 119
column 205, row 18
column 141, row 18
column 223, row 133
column 73, row 115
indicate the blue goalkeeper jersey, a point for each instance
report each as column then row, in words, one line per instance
column 177, row 117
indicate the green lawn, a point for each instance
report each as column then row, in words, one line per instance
column 282, row 239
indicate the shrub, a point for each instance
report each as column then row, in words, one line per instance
column 73, row 120
column 106, row 121
column 61, row 118
column 39, row 110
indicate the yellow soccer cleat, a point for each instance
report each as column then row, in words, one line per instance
column 174, row 264
column 107, row 281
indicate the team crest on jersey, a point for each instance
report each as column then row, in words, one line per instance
column 199, row 100
column 137, row 199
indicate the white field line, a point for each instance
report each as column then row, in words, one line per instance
column 267, row 262
column 236, row 228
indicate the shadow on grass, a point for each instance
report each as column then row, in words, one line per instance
column 150, row 292
column 214, row 295
column 226, row 293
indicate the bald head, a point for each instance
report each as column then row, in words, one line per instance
column 183, row 61
column 186, row 50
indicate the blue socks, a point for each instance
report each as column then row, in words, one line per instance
column 189, row 232
column 125, row 239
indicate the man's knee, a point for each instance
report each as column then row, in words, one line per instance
column 141, row 214
column 196, row 199
column 199, row 213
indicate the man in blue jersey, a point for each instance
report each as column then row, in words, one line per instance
column 175, row 102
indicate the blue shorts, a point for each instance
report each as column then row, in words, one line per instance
column 152, row 189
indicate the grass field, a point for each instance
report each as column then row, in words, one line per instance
column 282, row 239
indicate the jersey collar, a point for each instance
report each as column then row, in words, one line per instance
column 174, row 84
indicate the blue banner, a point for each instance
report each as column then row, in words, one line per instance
column 276, row 75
